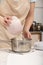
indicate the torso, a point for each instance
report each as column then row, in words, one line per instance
column 17, row 8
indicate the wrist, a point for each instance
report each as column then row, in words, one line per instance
column 26, row 29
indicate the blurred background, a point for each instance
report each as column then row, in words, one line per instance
column 39, row 11
column 37, row 26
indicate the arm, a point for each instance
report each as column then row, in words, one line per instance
column 30, row 16
column 29, row 19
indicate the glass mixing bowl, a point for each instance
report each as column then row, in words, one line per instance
column 21, row 46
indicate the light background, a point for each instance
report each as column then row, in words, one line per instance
column 39, row 11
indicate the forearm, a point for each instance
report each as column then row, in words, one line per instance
column 30, row 16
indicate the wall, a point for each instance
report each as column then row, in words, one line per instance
column 39, row 11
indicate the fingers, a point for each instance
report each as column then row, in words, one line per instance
column 29, row 35
column 24, row 34
column 8, row 17
column 7, row 21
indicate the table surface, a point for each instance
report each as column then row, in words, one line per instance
column 31, row 58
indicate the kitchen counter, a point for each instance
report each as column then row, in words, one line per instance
column 35, row 31
column 38, row 34
column 30, row 58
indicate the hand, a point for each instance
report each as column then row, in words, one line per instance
column 7, row 20
column 27, row 34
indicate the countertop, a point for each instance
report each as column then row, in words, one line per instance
column 36, row 31
column 31, row 58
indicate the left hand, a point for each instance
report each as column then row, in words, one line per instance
column 7, row 20
column 27, row 34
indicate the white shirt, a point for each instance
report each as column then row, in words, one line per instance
column 32, row 0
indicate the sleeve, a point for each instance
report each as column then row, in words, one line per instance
column 32, row 0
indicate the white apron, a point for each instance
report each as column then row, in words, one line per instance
column 19, row 8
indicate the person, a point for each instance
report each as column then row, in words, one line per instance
column 23, row 9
